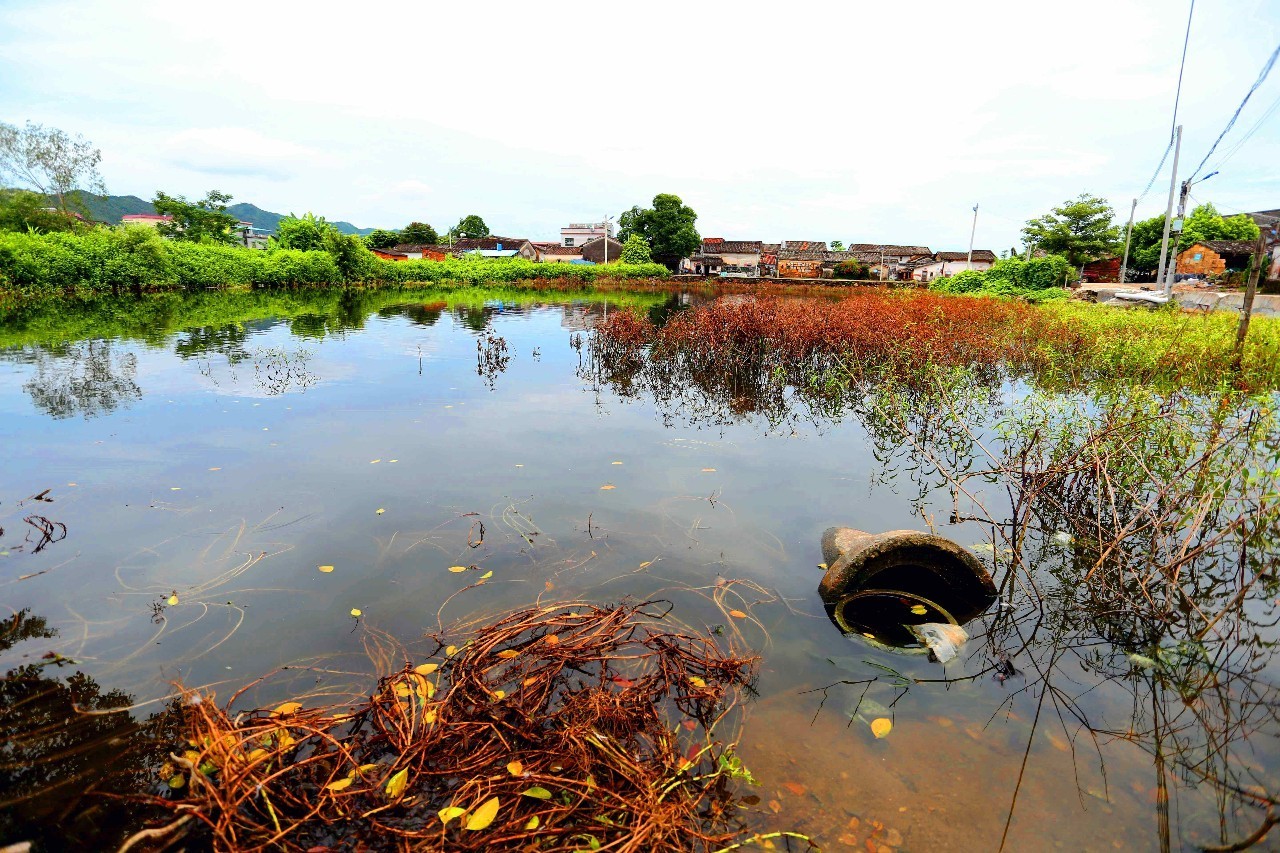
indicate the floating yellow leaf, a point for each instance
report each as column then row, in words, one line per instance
column 528, row 681
column 533, row 823
column 426, row 668
column 696, row 681
column 357, row 612
column 215, row 469
column 607, row 486
column 737, row 614
column 254, row 755
column 822, row 566
column 402, row 690
column 486, row 575
column 515, row 768
column 552, row 639
column 450, row 651
column 708, row 470
column 394, row 460
column 457, row 569
column 499, row 694
column 919, row 609
column 646, row 564
column 881, row 726
column 379, row 511
column 339, row 784
column 365, row 768
column 509, row 653
column 537, row 792
column 483, row 815
column 374, row 461
column 176, row 782
column 430, row 716
column 395, row 785
column 325, row 569
column 173, row 599
column 519, row 465
column 286, row 709
column 448, row 813
column 175, row 488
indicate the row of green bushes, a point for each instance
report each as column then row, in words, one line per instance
column 105, row 260
column 1036, row 280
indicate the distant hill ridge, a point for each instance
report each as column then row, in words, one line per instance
column 110, row 209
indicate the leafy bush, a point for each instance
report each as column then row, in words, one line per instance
column 636, row 251
column 856, row 270
column 1037, row 280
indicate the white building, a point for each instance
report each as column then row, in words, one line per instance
column 950, row 263
column 577, row 233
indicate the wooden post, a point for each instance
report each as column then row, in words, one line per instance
column 1250, row 288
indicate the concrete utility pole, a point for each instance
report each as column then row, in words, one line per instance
column 607, row 221
column 1168, row 212
column 1128, row 234
column 972, row 231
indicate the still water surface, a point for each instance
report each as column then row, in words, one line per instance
column 223, row 464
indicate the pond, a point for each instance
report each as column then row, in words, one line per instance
column 215, row 484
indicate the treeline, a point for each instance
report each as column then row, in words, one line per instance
column 102, row 260
column 1035, row 280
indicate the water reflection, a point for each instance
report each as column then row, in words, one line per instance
column 87, row 378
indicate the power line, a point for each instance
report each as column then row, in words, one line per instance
column 1266, row 116
column 1266, row 70
column 1177, row 98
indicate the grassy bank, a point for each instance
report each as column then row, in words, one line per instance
column 111, row 261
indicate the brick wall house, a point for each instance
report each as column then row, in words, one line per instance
column 1214, row 257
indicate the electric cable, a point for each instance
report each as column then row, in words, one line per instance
column 1266, row 70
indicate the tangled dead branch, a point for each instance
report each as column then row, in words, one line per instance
column 555, row 728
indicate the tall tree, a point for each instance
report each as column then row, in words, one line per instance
column 381, row 238
column 669, row 227
column 305, row 232
column 472, row 226
column 423, row 234
column 204, row 221
column 1205, row 223
column 49, row 161
column 837, row 245
column 1080, row 230
column 23, row 210
column 636, row 251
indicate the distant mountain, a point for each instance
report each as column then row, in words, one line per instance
column 110, row 208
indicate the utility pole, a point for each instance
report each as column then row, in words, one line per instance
column 1128, row 234
column 1168, row 212
column 972, row 232
column 606, row 222
column 1178, row 221
column 1251, row 288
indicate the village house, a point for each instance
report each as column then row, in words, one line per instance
column 602, row 250
column 949, row 263
column 149, row 219
column 718, row 256
column 578, row 233
column 1214, row 257
column 1269, row 222
column 412, row 252
column 1101, row 270
column 769, row 259
column 554, row 253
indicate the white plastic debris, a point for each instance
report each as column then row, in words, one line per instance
column 941, row 638
column 1064, row 538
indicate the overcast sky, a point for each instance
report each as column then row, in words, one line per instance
column 848, row 120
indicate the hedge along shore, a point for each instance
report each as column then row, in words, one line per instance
column 112, row 261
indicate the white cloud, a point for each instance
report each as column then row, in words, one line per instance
column 240, row 152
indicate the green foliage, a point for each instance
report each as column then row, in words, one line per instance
column 354, row 261
column 305, row 233
column 669, row 227
column 472, row 226
column 851, row 269
column 1205, row 223
column 21, row 210
column 837, row 245
column 49, row 161
column 1037, row 280
column 382, row 239
column 636, row 251
column 204, row 221
column 420, row 233
column 1081, row 230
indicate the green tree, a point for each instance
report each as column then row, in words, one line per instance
column 354, row 261
column 851, row 269
column 1205, row 223
column 381, row 238
column 636, row 251
column 304, row 232
column 23, row 210
column 837, row 245
column 472, row 226
column 49, row 161
column 1080, row 230
column 204, row 221
column 669, row 227
column 420, row 233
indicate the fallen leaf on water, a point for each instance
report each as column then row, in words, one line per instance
column 448, row 813
column 175, row 488
column 919, row 609
column 357, row 612
column 379, row 511
column 737, row 614
column 533, row 823
column 365, row 768
column 775, row 806
column 515, row 768
column 486, row 575
column 483, row 815
column 395, row 785
column 177, row 782
column 374, row 461
column 499, row 694
column 646, row 564
column 509, row 653
column 215, row 469
column 689, row 724
column 450, row 651
column 430, row 716
column 339, row 785
column 696, row 681
column 615, row 463
column 537, row 792
column 519, row 464
column 286, row 709
column 708, row 470
column 528, row 681
column 795, row 788
column 549, row 585
column 173, row 599
column 72, row 484
column 325, row 569
column 426, row 668
column 457, row 569
column 552, row 639
column 822, row 566
column 607, row 486
column 881, row 726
